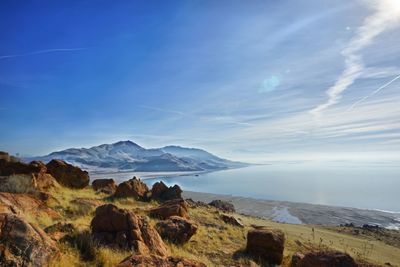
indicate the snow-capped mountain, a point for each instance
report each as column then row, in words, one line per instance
column 128, row 156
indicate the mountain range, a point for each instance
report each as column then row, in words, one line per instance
column 129, row 156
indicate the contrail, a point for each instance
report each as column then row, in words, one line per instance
column 386, row 16
column 43, row 52
column 373, row 93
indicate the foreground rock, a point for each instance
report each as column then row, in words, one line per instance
column 26, row 204
column 231, row 220
column 107, row 186
column 267, row 244
column 67, row 174
column 23, row 244
column 176, row 229
column 161, row 192
column 120, row 228
column 176, row 207
column 60, row 231
column 222, row 205
column 323, row 259
column 19, row 177
column 152, row 260
column 133, row 188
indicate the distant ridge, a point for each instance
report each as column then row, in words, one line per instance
column 129, row 156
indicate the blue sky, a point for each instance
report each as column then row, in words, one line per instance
column 247, row 80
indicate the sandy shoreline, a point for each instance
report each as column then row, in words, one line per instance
column 291, row 212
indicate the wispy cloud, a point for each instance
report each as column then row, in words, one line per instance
column 163, row 110
column 53, row 50
column 386, row 16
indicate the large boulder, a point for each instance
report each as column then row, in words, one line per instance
column 104, row 185
column 123, row 229
column 161, row 192
column 153, row 260
column 266, row 243
column 323, row 259
column 61, row 231
column 19, row 177
column 176, row 229
column 222, row 205
column 67, row 174
column 133, row 188
column 7, row 157
column 24, row 244
column 176, row 207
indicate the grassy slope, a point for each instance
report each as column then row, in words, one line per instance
column 215, row 243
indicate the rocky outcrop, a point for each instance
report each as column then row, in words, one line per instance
column 231, row 220
column 161, row 192
column 107, row 186
column 120, row 228
column 133, row 188
column 323, row 259
column 153, row 260
column 176, row 207
column 67, row 174
column 19, row 177
column 7, row 157
column 222, row 205
column 266, row 243
column 26, row 204
column 176, row 229
column 24, row 244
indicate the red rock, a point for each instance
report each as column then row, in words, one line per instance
column 177, row 207
column 24, row 244
column 67, row 174
column 132, row 188
column 176, row 229
column 222, row 205
column 104, row 185
column 231, row 220
column 323, row 259
column 161, row 192
column 120, row 228
column 266, row 243
column 153, row 260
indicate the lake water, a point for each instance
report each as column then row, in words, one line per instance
column 367, row 186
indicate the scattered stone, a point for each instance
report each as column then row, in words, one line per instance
column 120, row 228
column 67, row 174
column 60, row 231
column 266, row 243
column 176, row 207
column 107, row 186
column 24, row 244
column 133, row 188
column 195, row 204
column 323, row 259
column 177, row 229
column 222, row 205
column 161, row 192
column 153, row 260
column 231, row 220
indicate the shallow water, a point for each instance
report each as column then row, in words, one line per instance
column 367, row 185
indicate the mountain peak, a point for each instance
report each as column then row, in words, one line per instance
column 126, row 143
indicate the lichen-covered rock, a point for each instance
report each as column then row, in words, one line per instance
column 222, row 205
column 176, row 207
column 153, row 260
column 323, row 259
column 133, row 188
column 177, row 229
column 107, row 186
column 120, row 228
column 161, row 192
column 24, row 244
column 67, row 174
column 266, row 243
column 60, row 231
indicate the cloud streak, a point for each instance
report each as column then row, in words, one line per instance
column 46, row 51
column 386, row 16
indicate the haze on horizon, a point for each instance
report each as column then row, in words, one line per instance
column 259, row 81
